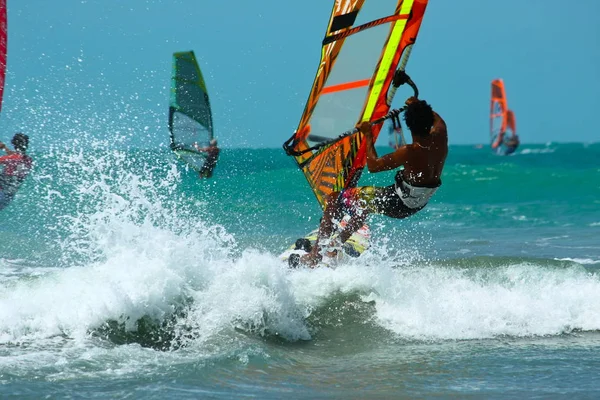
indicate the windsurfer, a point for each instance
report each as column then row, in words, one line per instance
column 212, row 155
column 512, row 141
column 415, row 184
column 16, row 166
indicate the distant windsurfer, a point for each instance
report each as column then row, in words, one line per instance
column 415, row 184
column 510, row 144
column 16, row 165
column 212, row 155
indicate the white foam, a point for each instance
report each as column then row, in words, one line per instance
column 135, row 251
column 517, row 300
column 582, row 261
column 546, row 150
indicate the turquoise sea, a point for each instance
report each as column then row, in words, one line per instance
column 124, row 276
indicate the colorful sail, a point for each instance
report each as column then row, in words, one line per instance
column 365, row 42
column 503, row 133
column 190, row 117
column 3, row 47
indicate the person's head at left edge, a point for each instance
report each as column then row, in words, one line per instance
column 20, row 142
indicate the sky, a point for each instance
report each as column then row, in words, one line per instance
column 101, row 68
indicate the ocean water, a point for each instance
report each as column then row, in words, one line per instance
column 124, row 276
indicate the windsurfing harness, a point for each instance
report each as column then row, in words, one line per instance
column 414, row 196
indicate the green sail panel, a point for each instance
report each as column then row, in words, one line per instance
column 190, row 116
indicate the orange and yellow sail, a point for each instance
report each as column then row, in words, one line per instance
column 365, row 42
column 502, row 119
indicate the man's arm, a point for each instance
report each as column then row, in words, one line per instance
column 439, row 125
column 6, row 149
column 200, row 149
column 385, row 163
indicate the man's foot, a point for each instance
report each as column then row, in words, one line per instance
column 333, row 248
column 310, row 259
column 331, row 253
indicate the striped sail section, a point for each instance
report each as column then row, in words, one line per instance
column 362, row 48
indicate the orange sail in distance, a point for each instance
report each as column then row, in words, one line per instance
column 503, row 129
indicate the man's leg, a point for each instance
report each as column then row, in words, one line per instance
column 5, row 199
column 359, row 202
column 355, row 223
column 353, row 201
column 204, row 173
column 332, row 211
